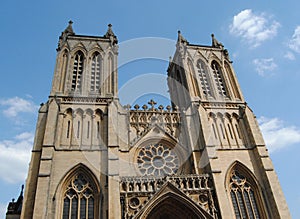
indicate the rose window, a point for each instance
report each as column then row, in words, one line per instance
column 157, row 159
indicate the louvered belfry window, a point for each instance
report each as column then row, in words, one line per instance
column 79, row 200
column 95, row 72
column 77, row 71
column 204, row 78
column 243, row 197
column 218, row 77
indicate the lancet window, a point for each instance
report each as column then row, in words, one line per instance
column 218, row 77
column 96, row 72
column 77, row 71
column 204, row 78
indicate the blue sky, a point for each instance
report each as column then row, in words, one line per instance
column 262, row 37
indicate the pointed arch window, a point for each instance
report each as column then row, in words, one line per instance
column 204, row 78
column 244, row 196
column 77, row 71
column 96, row 72
column 218, row 77
column 79, row 198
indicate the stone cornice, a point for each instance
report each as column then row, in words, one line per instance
column 83, row 100
column 222, row 105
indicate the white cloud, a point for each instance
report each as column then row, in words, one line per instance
column 289, row 55
column 278, row 136
column 253, row 28
column 294, row 43
column 15, row 155
column 263, row 66
column 17, row 105
column 3, row 208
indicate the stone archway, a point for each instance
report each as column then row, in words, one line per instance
column 168, row 203
column 172, row 208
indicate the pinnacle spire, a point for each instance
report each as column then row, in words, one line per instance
column 63, row 37
column 69, row 29
column 110, row 35
column 215, row 43
column 109, row 31
column 180, row 38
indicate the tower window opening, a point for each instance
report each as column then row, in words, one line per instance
column 204, row 78
column 219, row 80
column 77, row 71
column 96, row 72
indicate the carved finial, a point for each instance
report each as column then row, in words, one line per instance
column 145, row 107
column 110, row 35
column 215, row 43
column 152, row 103
column 136, row 106
column 161, row 107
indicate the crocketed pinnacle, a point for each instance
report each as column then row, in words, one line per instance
column 110, row 35
column 69, row 29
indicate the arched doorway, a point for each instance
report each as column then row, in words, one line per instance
column 168, row 203
column 172, row 208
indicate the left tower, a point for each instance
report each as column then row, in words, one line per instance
column 69, row 164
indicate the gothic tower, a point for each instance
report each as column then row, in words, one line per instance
column 69, row 161
column 226, row 142
column 201, row 157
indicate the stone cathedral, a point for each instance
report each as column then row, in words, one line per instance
column 203, row 156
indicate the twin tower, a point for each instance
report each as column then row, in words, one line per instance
column 201, row 157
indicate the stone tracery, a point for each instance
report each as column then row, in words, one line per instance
column 157, row 159
column 79, row 198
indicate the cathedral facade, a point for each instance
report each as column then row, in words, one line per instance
column 203, row 156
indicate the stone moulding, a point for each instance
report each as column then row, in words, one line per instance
column 87, row 100
column 221, row 105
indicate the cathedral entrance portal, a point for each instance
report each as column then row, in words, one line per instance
column 171, row 208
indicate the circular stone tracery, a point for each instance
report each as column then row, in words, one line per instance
column 157, row 159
